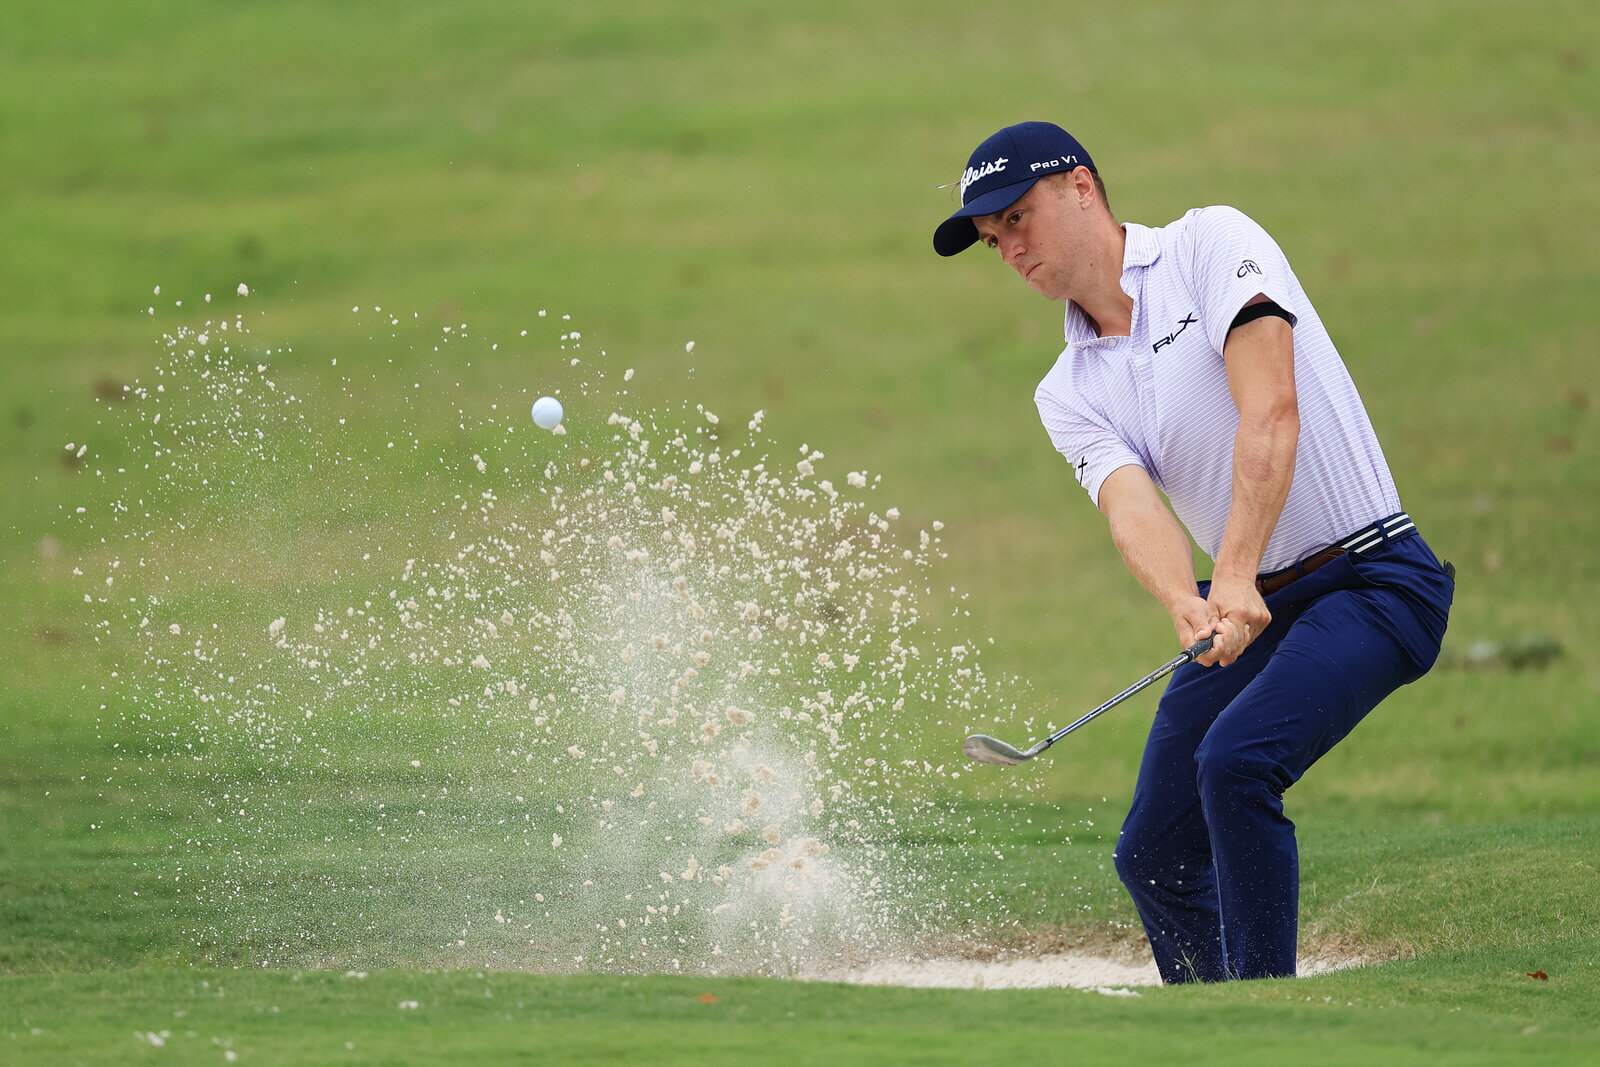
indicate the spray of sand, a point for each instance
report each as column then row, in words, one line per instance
column 650, row 692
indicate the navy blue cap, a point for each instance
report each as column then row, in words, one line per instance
column 1002, row 170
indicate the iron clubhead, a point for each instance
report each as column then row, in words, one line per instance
column 986, row 749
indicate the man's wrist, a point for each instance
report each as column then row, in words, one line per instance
column 1231, row 575
column 1180, row 605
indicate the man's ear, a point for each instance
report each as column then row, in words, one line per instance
column 1083, row 184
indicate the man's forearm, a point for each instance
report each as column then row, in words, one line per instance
column 1260, row 361
column 1152, row 543
column 1263, row 468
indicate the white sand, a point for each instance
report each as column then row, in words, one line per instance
column 1064, row 969
column 1108, row 976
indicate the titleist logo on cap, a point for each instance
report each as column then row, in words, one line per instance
column 974, row 173
column 1001, row 170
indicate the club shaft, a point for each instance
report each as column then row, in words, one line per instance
column 1193, row 652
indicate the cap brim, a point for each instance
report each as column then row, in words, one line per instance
column 957, row 233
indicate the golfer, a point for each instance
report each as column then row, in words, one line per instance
column 1199, row 391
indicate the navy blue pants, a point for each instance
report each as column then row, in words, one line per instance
column 1206, row 852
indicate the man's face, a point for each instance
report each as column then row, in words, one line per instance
column 1042, row 236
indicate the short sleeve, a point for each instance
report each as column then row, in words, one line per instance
column 1087, row 440
column 1233, row 259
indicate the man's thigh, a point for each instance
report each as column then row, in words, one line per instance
column 1338, row 660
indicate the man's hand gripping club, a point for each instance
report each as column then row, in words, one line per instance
column 1233, row 615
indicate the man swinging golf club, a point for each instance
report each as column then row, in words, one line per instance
column 1199, row 391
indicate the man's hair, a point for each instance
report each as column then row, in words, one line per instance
column 1061, row 179
column 1100, row 187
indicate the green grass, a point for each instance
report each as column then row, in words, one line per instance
column 1428, row 1014
column 760, row 179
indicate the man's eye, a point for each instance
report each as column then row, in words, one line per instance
column 1015, row 218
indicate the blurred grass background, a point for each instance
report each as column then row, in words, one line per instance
column 763, row 180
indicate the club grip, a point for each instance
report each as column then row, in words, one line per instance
column 1198, row 649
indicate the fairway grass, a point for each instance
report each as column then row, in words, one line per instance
column 762, row 180
column 1472, row 1009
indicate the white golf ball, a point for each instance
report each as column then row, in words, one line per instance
column 547, row 412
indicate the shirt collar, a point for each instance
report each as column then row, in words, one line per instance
column 1140, row 249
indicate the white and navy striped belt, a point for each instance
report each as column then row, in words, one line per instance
column 1365, row 540
column 1379, row 532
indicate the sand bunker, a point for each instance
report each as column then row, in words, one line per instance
column 1041, row 972
column 1112, row 977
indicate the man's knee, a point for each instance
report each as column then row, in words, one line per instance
column 1227, row 773
column 1155, row 856
column 1135, row 860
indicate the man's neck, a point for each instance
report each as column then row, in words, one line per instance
column 1108, row 309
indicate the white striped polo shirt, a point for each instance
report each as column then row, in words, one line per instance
column 1159, row 398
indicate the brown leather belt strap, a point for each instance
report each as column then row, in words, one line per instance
column 1283, row 579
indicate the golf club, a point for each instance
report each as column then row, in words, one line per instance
column 986, row 749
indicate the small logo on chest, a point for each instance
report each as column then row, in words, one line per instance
column 1187, row 321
